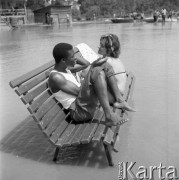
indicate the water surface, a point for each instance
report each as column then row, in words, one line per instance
column 150, row 51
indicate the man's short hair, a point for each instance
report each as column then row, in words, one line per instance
column 60, row 51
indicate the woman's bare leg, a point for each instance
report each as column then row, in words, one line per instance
column 115, row 96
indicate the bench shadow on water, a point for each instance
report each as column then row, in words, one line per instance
column 27, row 141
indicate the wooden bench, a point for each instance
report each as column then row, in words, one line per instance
column 55, row 122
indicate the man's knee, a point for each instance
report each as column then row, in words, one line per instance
column 105, row 70
column 106, row 65
column 95, row 72
column 101, row 74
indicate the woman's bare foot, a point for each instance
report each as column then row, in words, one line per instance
column 114, row 120
column 123, row 105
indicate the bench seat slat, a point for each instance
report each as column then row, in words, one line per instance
column 78, row 128
column 87, row 136
column 68, row 131
column 57, row 133
column 49, row 116
column 16, row 82
column 44, row 109
column 98, row 115
column 108, row 137
column 131, row 86
column 99, row 133
column 34, row 93
column 67, row 142
column 32, row 83
column 77, row 138
column 54, row 123
column 39, row 101
column 129, row 80
column 100, row 129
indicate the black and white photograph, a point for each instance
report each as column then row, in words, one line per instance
column 89, row 89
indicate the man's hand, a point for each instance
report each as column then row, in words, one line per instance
column 99, row 62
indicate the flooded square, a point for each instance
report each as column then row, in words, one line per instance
column 150, row 51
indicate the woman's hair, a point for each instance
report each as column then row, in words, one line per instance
column 60, row 51
column 112, row 45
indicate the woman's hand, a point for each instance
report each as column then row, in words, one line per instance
column 98, row 62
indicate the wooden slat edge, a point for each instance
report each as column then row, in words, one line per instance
column 90, row 131
column 86, row 138
column 16, row 82
column 68, row 141
column 25, row 87
column 39, row 101
column 34, row 93
column 131, row 88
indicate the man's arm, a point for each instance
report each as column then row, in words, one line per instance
column 78, row 68
column 97, row 62
column 60, row 83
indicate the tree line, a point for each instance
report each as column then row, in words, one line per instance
column 103, row 8
column 109, row 8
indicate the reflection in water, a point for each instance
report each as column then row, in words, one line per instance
column 150, row 51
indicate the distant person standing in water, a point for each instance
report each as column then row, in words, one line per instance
column 164, row 12
column 170, row 15
column 68, row 18
column 156, row 15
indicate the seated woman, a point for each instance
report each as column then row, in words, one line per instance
column 83, row 99
column 110, row 48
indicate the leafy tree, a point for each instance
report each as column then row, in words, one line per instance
column 35, row 4
column 102, row 7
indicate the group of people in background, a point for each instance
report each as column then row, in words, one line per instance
column 137, row 15
column 163, row 13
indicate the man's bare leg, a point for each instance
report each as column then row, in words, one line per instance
column 100, row 88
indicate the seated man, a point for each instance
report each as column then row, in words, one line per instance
column 83, row 99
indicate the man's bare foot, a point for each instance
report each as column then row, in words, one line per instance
column 115, row 120
column 124, row 106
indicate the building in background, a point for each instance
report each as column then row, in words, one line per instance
column 60, row 14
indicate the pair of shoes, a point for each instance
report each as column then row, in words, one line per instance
column 124, row 106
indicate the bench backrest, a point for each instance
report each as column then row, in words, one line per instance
column 34, row 92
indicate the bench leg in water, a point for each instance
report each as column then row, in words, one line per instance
column 56, row 154
column 108, row 154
